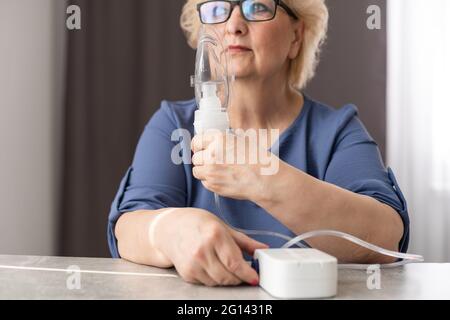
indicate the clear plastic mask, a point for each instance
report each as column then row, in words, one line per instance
column 213, row 76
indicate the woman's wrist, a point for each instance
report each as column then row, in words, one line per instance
column 154, row 223
column 269, row 187
column 155, row 238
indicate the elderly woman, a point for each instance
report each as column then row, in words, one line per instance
column 330, row 174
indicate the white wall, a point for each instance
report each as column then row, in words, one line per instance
column 31, row 61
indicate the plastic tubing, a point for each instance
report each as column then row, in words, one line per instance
column 298, row 241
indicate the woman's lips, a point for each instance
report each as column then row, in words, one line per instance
column 238, row 49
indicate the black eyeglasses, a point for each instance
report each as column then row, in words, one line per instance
column 219, row 11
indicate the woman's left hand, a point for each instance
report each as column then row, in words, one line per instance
column 233, row 166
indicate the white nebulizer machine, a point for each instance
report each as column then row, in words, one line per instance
column 289, row 273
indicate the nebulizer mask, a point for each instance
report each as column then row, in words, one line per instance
column 213, row 82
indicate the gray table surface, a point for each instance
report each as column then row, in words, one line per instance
column 26, row 277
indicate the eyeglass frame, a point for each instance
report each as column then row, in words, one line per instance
column 278, row 3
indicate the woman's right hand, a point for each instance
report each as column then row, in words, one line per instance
column 204, row 250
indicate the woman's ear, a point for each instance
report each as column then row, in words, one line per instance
column 297, row 39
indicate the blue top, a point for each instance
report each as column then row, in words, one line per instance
column 328, row 144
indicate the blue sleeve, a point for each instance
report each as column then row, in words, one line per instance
column 153, row 180
column 356, row 165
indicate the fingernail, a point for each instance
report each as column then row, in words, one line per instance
column 254, row 282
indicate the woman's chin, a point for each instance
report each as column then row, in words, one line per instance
column 240, row 71
column 241, row 76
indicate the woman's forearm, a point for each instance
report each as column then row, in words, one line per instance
column 133, row 238
column 304, row 203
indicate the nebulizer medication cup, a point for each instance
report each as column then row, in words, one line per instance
column 213, row 82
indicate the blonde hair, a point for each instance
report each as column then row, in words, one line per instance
column 313, row 13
